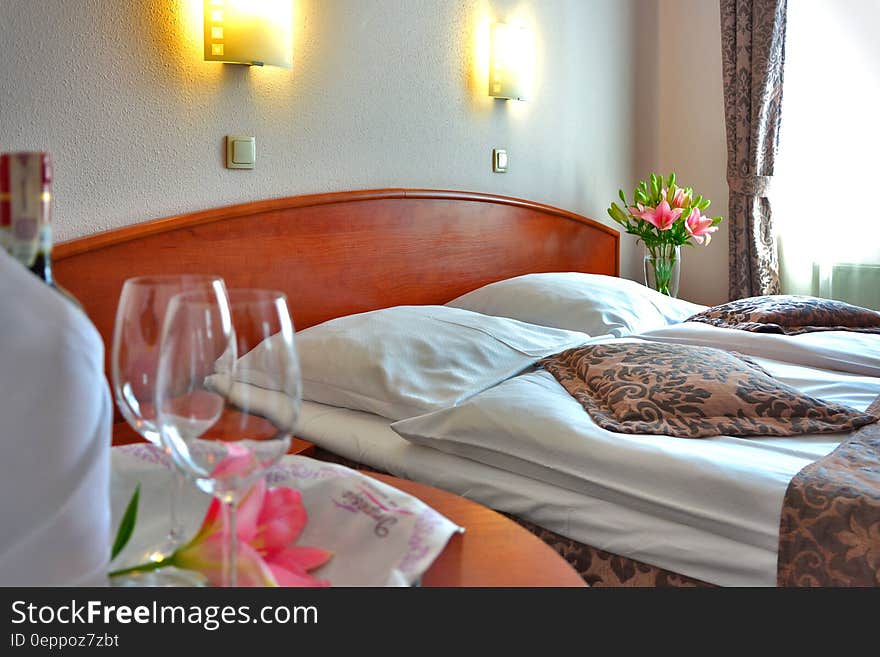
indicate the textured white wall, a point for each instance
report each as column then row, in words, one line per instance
column 382, row 93
column 687, row 115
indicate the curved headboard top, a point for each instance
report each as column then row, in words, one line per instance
column 342, row 253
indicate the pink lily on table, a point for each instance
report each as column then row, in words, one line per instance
column 269, row 523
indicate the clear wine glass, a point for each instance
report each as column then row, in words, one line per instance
column 134, row 362
column 223, row 433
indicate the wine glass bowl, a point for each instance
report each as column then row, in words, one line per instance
column 137, row 331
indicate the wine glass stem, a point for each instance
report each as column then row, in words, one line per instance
column 175, row 532
column 230, row 548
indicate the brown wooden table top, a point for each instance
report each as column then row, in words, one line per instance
column 493, row 551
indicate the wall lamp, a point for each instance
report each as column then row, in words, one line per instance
column 252, row 32
column 510, row 55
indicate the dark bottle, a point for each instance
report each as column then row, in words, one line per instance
column 26, row 212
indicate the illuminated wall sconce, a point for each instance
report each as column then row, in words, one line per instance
column 253, row 32
column 510, row 55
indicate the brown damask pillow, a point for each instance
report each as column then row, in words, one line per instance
column 690, row 392
column 790, row 314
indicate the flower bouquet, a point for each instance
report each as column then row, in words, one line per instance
column 270, row 521
column 664, row 215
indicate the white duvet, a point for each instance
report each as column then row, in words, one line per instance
column 707, row 508
column 727, row 487
column 842, row 351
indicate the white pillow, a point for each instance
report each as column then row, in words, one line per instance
column 408, row 360
column 590, row 303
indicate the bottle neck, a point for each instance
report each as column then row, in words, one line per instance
column 26, row 209
column 42, row 267
column 36, row 254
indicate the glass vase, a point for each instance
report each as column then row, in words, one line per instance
column 663, row 268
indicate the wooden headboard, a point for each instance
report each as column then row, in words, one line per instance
column 343, row 253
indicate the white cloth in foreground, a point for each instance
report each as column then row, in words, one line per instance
column 55, row 433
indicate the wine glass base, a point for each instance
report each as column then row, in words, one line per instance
column 163, row 577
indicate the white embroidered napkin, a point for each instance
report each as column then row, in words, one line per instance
column 379, row 536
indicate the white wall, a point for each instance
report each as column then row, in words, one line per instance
column 684, row 107
column 382, row 93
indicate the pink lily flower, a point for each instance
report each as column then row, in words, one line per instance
column 641, row 211
column 662, row 217
column 679, row 199
column 204, row 553
column 269, row 521
column 699, row 227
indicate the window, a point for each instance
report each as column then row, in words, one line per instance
column 826, row 195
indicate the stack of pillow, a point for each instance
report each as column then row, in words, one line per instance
column 406, row 361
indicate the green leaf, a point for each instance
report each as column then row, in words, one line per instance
column 126, row 525
column 717, row 220
column 671, row 180
column 705, row 204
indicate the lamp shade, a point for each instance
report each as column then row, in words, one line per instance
column 255, row 32
column 509, row 62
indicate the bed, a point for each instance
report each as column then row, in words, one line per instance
column 708, row 511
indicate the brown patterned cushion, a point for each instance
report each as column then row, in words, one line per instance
column 690, row 392
column 790, row 314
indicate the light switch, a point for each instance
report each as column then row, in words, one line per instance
column 499, row 160
column 241, row 152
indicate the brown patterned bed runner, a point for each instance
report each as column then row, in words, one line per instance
column 790, row 314
column 829, row 532
column 689, row 391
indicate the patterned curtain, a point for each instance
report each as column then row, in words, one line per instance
column 753, row 53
